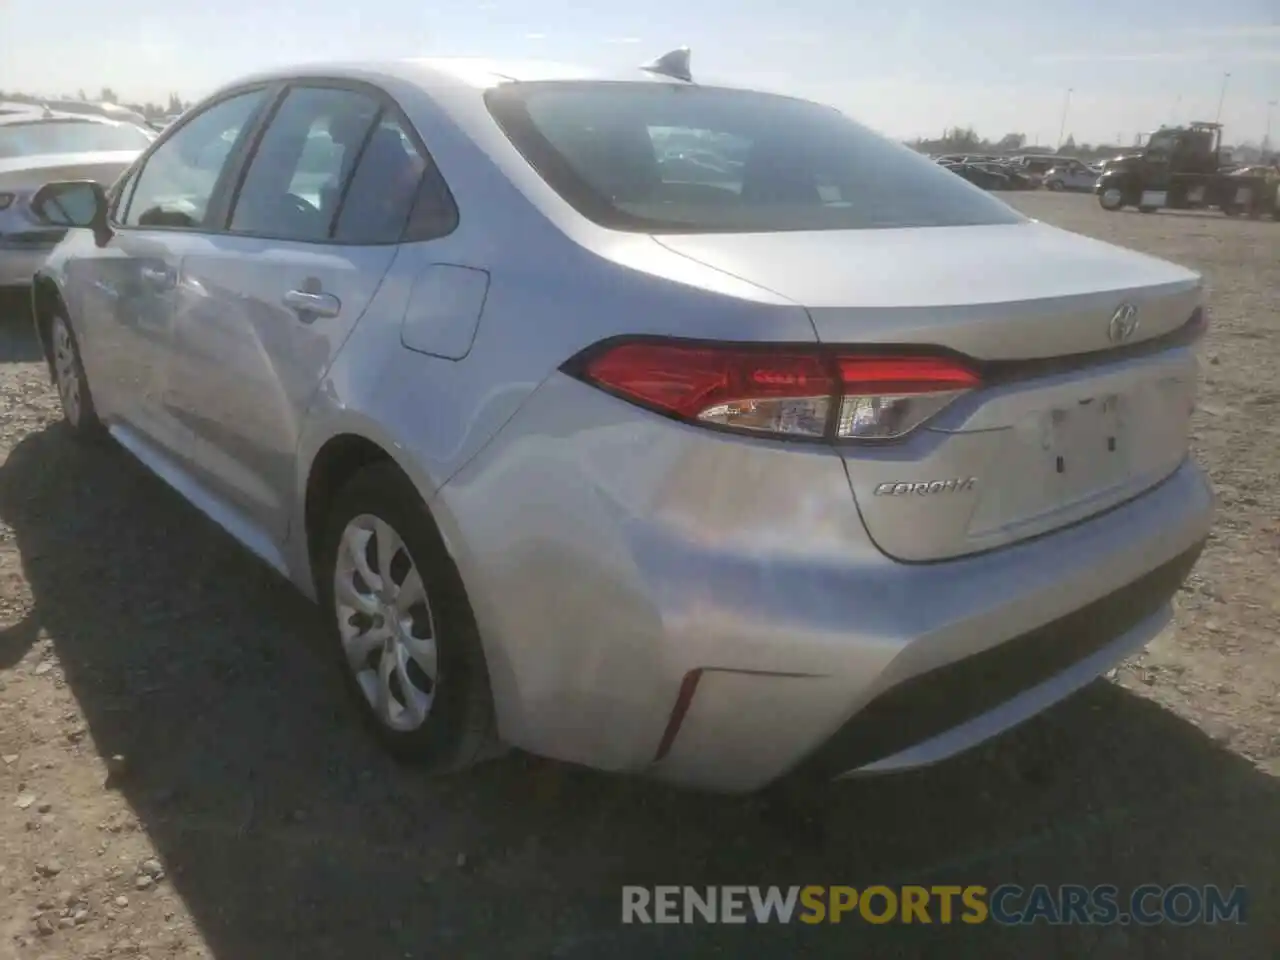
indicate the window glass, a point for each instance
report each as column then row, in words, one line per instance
column 666, row 157
column 434, row 212
column 383, row 188
column 174, row 187
column 294, row 182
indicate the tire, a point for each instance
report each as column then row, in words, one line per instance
column 1055, row 185
column 71, row 382
column 457, row 726
column 1111, row 199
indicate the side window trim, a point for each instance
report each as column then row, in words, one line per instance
column 121, row 193
column 120, row 213
column 237, row 159
column 388, row 107
column 350, row 178
column 379, row 98
column 227, row 189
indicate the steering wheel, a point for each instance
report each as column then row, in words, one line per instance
column 300, row 205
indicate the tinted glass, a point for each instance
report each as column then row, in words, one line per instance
column 69, row 136
column 383, row 188
column 178, row 180
column 661, row 157
column 294, row 183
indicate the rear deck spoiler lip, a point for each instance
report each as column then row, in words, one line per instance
column 1008, row 371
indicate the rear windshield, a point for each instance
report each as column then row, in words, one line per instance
column 666, row 158
column 68, row 136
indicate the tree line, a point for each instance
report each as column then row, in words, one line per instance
column 967, row 140
column 150, row 110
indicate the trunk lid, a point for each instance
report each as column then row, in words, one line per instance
column 1042, row 444
column 32, row 173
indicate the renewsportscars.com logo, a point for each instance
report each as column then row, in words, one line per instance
column 1008, row 904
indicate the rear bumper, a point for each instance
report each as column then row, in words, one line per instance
column 700, row 608
column 950, row 708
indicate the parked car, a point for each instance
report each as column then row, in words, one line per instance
column 1071, row 175
column 980, row 175
column 96, row 108
column 1014, row 177
column 842, row 468
column 1036, row 165
column 37, row 146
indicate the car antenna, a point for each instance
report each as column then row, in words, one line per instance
column 673, row 64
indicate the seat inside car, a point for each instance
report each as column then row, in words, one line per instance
column 617, row 160
column 773, row 176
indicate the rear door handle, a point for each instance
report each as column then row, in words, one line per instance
column 308, row 306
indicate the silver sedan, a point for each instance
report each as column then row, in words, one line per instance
column 1072, row 175
column 806, row 457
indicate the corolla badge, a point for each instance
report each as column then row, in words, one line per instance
column 1124, row 323
column 924, row 488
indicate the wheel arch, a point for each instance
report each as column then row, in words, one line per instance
column 329, row 461
column 335, row 461
column 46, row 301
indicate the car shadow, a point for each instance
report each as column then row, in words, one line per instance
column 17, row 341
column 288, row 834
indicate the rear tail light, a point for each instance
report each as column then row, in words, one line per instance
column 797, row 392
column 888, row 397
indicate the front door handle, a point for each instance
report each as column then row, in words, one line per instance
column 308, row 306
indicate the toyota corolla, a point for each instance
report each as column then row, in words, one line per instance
column 808, row 457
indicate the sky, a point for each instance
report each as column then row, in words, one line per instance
column 908, row 68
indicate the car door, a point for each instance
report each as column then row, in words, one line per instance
column 313, row 228
column 130, row 287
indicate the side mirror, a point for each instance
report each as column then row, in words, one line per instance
column 73, row 203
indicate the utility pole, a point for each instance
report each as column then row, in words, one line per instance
column 1222, row 96
column 1062, row 127
column 1266, row 137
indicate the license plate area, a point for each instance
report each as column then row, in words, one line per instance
column 1086, row 446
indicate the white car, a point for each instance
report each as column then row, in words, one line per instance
column 1070, row 175
column 38, row 146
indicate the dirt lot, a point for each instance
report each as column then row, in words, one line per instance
column 246, row 818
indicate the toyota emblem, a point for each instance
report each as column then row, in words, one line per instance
column 1124, row 323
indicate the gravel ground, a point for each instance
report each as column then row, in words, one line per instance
column 180, row 776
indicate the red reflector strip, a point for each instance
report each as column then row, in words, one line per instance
column 886, row 376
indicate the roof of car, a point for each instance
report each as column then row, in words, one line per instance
column 475, row 72
column 39, row 115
